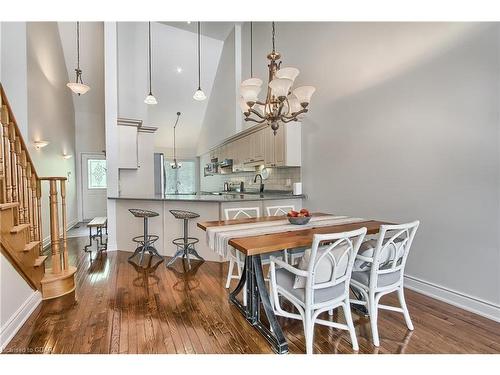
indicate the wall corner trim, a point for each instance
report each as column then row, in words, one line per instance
column 475, row 305
column 16, row 321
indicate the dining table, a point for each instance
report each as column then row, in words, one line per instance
column 255, row 237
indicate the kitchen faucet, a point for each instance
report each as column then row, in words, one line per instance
column 261, row 190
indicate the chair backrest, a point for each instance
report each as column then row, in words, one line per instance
column 331, row 264
column 241, row 213
column 279, row 210
column 391, row 251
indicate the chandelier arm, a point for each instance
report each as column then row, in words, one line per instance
column 285, row 121
column 295, row 114
column 254, row 120
column 251, row 110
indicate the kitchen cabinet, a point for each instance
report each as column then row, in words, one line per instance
column 284, row 148
column 128, row 147
column 258, row 146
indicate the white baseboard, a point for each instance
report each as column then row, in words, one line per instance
column 16, row 321
column 46, row 240
column 476, row 305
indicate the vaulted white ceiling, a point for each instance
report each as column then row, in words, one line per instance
column 174, row 79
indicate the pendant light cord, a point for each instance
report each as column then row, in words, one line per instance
column 149, row 54
column 199, row 60
column 251, row 49
column 176, row 121
column 78, row 45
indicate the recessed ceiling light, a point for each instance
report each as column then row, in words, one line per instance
column 178, row 69
column 188, row 22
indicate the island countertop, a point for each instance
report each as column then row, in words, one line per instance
column 213, row 197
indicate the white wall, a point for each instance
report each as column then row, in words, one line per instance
column 17, row 301
column 171, row 48
column 89, row 108
column 404, row 125
column 14, row 70
column 219, row 122
column 51, row 114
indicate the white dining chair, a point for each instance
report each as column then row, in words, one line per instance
column 235, row 257
column 291, row 255
column 320, row 283
column 384, row 261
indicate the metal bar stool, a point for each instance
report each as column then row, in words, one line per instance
column 146, row 241
column 185, row 244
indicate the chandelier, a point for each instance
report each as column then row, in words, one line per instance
column 281, row 104
column 175, row 164
column 78, row 87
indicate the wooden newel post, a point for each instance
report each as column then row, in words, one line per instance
column 63, row 206
column 54, row 228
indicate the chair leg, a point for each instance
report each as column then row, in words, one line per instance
column 406, row 313
column 373, row 311
column 229, row 272
column 309, row 331
column 348, row 318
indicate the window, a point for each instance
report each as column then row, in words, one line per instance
column 181, row 180
column 97, row 173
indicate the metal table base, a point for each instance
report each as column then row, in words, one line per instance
column 258, row 295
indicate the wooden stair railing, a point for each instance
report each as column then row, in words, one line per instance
column 21, row 218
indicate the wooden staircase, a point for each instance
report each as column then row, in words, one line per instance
column 20, row 214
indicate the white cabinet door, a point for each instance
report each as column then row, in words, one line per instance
column 128, row 149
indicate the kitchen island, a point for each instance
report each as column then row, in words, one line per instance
column 209, row 206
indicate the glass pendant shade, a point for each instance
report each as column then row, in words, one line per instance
column 78, row 88
column 244, row 106
column 280, row 86
column 251, row 82
column 289, row 73
column 199, row 95
column 150, row 99
column 250, row 93
column 304, row 94
column 293, row 104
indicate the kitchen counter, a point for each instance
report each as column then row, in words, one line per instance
column 214, row 197
column 210, row 206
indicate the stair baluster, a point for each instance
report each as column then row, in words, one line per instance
column 6, row 159
column 13, row 168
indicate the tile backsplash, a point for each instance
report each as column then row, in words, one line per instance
column 279, row 179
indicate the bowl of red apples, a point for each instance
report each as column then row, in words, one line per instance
column 299, row 217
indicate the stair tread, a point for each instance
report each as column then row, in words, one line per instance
column 40, row 260
column 19, row 228
column 29, row 246
column 6, row 206
column 50, row 277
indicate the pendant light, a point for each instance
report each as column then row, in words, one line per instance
column 150, row 99
column 199, row 94
column 78, row 87
column 175, row 164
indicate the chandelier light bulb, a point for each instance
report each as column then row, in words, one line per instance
column 251, row 82
column 199, row 95
column 280, row 86
column 289, row 73
column 304, row 94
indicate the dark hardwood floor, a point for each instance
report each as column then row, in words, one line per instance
column 123, row 309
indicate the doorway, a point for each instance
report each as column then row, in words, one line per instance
column 94, row 185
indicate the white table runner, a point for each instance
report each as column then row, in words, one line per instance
column 218, row 237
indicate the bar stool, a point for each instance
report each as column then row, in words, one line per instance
column 185, row 244
column 146, row 241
